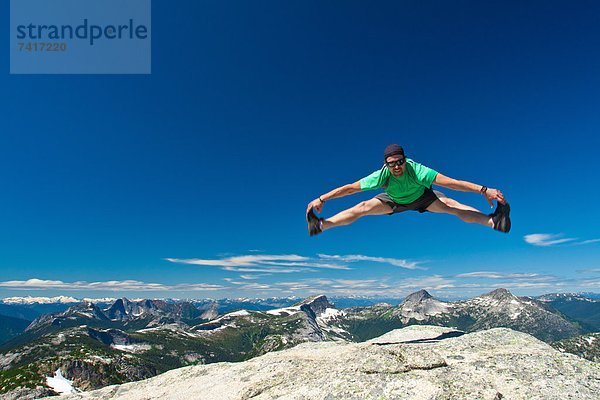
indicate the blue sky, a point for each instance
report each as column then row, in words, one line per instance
column 193, row 181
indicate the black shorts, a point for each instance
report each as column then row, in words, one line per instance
column 419, row 204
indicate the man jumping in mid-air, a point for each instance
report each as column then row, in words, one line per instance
column 407, row 186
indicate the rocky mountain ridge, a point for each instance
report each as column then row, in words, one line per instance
column 95, row 355
column 586, row 346
column 129, row 340
column 415, row 363
column 499, row 308
column 583, row 308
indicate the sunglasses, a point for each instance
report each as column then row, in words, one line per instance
column 399, row 163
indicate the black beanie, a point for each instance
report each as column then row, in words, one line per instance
column 391, row 150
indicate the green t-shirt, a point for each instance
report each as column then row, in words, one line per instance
column 403, row 189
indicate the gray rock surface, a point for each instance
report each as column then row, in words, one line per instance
column 494, row 364
column 27, row 393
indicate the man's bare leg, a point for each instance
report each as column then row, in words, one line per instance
column 453, row 203
column 346, row 217
column 469, row 214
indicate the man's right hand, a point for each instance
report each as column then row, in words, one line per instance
column 317, row 204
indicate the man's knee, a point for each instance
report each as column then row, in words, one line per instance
column 361, row 208
column 448, row 201
column 364, row 207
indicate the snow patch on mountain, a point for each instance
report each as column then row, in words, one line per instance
column 590, row 339
column 240, row 313
column 40, row 300
column 131, row 348
column 99, row 300
column 217, row 329
column 287, row 310
column 329, row 314
column 176, row 328
column 59, row 383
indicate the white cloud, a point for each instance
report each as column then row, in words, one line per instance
column 317, row 286
column 397, row 262
column 239, row 261
column 525, row 285
column 495, row 275
column 256, row 286
column 591, row 284
column 234, row 282
column 275, row 270
column 366, row 287
column 248, row 277
column 290, row 263
column 588, row 241
column 356, row 284
column 551, row 239
column 546, row 239
column 433, row 282
column 461, row 285
column 316, row 264
column 466, row 284
column 509, row 280
column 273, row 263
column 130, row 285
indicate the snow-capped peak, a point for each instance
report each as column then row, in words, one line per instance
column 100, row 300
column 40, row 300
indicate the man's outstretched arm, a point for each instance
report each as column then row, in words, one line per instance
column 342, row 191
column 464, row 186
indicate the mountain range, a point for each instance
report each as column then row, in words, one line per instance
column 130, row 340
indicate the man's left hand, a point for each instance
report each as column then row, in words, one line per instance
column 494, row 194
column 317, row 204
